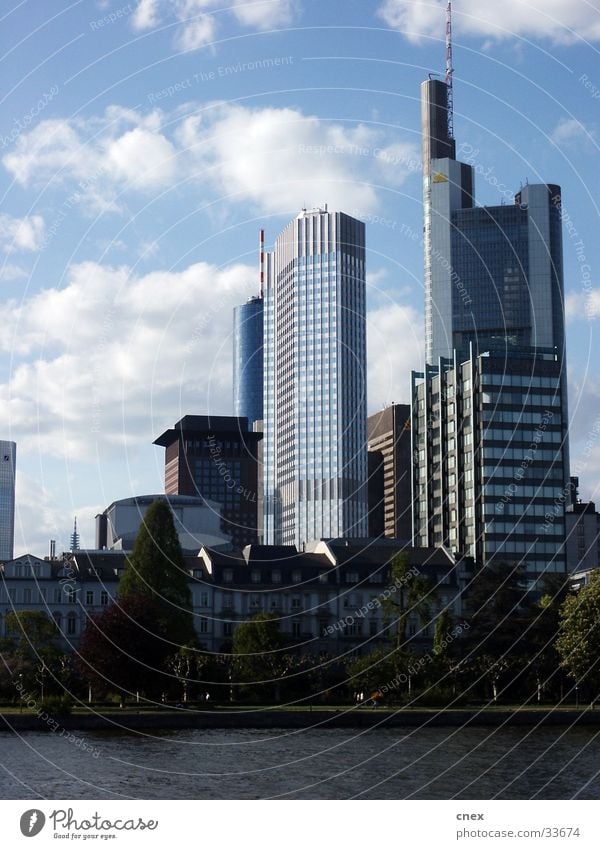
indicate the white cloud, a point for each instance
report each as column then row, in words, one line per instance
column 288, row 159
column 395, row 346
column 582, row 306
column 563, row 21
column 146, row 15
column 94, row 361
column 196, row 33
column 570, row 130
column 24, row 234
column 9, row 273
column 265, row 14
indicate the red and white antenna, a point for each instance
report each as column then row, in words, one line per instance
column 261, row 259
column 449, row 70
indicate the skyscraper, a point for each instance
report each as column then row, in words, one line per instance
column 390, row 472
column 248, row 360
column 315, row 381
column 8, row 459
column 493, row 274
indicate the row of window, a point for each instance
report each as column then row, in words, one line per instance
column 522, row 380
column 66, row 595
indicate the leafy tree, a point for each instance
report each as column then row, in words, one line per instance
column 578, row 642
column 544, row 662
column 30, row 652
column 156, row 570
column 259, row 654
column 122, row 648
column 409, row 595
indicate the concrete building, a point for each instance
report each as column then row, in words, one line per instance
column 315, row 381
column 8, row 463
column 390, row 473
column 582, row 526
column 489, row 460
column 197, row 521
column 248, row 360
column 216, row 458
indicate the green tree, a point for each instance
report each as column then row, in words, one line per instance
column 408, row 594
column 260, row 659
column 544, row 661
column 156, row 570
column 578, row 642
column 30, row 651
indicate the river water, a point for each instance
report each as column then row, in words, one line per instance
column 436, row 763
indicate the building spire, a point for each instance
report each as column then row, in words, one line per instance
column 261, row 260
column 449, row 70
column 75, row 537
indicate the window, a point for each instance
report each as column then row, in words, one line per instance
column 296, row 602
column 276, row 576
column 296, row 628
column 57, row 596
column 104, row 597
column 71, row 624
column 255, row 576
column 227, row 629
column 89, row 597
column 227, row 601
column 296, row 576
column 203, row 625
column 27, row 596
column 351, row 577
column 203, row 599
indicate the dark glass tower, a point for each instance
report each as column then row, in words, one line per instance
column 248, row 360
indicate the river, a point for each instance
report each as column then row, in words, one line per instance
column 405, row 763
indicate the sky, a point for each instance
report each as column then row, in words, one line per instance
column 143, row 145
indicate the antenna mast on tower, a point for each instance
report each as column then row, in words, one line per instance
column 261, row 260
column 449, row 70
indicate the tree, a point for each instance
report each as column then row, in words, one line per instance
column 578, row 642
column 30, row 650
column 156, row 570
column 544, row 662
column 260, row 659
column 408, row 594
column 122, row 648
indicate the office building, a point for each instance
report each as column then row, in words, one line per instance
column 198, row 522
column 216, row 458
column 390, row 490
column 315, row 381
column 582, row 537
column 493, row 274
column 248, row 360
column 489, row 459
column 8, row 461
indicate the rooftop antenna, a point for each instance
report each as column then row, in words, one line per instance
column 449, row 70
column 261, row 260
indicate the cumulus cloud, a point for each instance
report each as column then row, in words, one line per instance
column 395, row 346
column 265, row 14
column 288, row 159
column 570, row 130
column 563, row 21
column 9, row 273
column 95, row 359
column 582, row 306
column 146, row 15
column 21, row 234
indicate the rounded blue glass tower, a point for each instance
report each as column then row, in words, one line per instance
column 248, row 360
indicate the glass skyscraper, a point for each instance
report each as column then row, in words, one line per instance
column 315, row 452
column 8, row 459
column 248, row 360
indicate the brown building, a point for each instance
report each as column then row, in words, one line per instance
column 390, row 473
column 216, row 457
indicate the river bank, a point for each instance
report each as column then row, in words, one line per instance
column 264, row 718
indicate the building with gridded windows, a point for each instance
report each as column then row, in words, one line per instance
column 8, row 460
column 248, row 360
column 315, row 452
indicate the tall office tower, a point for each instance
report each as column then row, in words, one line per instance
column 390, row 477
column 248, row 360
column 216, row 457
column 248, row 377
column 493, row 274
column 315, row 381
column 8, row 461
column 489, row 459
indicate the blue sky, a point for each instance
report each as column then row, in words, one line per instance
column 143, row 144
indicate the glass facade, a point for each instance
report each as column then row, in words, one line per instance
column 315, row 381
column 248, row 360
column 8, row 456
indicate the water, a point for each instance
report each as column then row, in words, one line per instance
column 437, row 763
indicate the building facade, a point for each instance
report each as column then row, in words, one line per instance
column 8, row 466
column 216, row 458
column 583, row 537
column 488, row 444
column 390, row 473
column 248, row 360
column 315, row 454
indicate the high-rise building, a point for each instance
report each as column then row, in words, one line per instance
column 248, row 360
column 493, row 274
column 315, row 381
column 489, row 459
column 216, row 457
column 390, row 478
column 8, row 461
